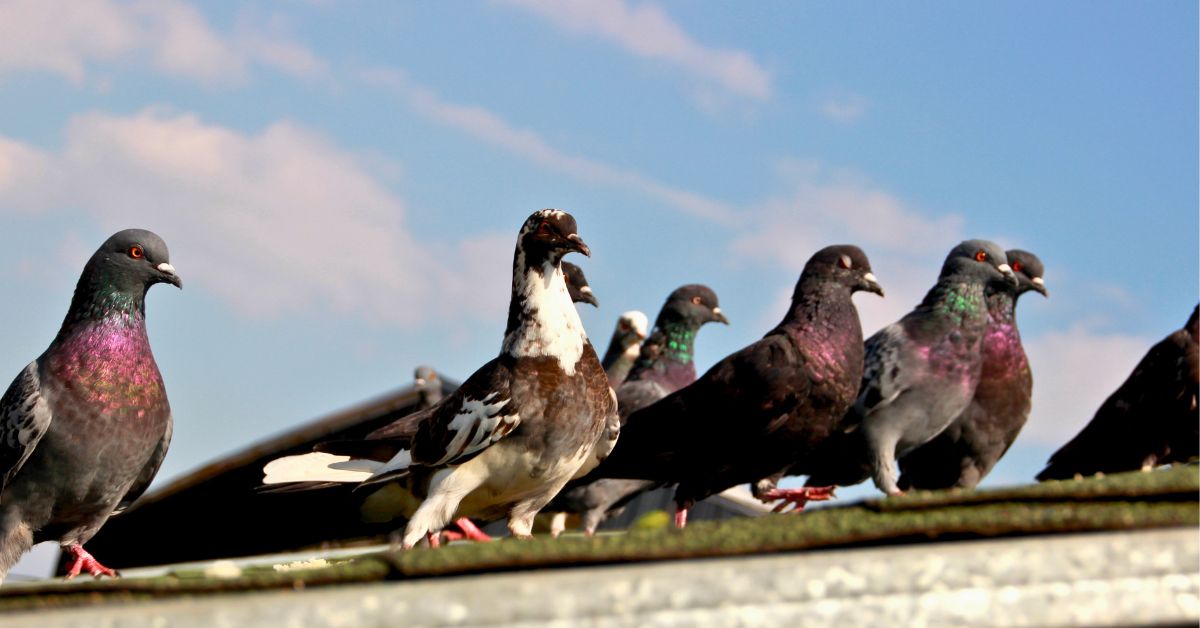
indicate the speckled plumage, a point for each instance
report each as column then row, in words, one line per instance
column 664, row 365
column 84, row 428
column 1151, row 419
column 763, row 408
column 507, row 440
column 919, row 373
column 966, row 451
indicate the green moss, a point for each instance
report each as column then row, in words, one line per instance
column 1164, row 498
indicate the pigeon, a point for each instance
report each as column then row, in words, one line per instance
column 1150, row 420
column 624, row 347
column 85, row 426
column 761, row 409
column 665, row 364
column 577, row 285
column 515, row 432
column 967, row 450
column 428, row 386
column 919, row 373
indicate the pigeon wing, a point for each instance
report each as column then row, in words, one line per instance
column 148, row 472
column 24, row 418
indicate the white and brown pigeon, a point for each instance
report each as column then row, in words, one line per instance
column 85, row 427
column 518, row 429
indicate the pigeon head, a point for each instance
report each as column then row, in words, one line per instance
column 131, row 261
column 632, row 328
column 424, row 377
column 694, row 303
column 577, row 285
column 843, row 264
column 1029, row 271
column 548, row 235
column 979, row 260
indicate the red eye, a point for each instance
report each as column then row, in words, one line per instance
column 136, row 252
column 1017, row 266
column 544, row 228
column 845, row 262
column 981, row 256
column 696, row 300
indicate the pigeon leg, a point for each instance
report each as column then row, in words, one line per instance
column 797, row 497
column 471, row 531
column 84, row 560
column 680, row 517
column 433, row 539
column 558, row 523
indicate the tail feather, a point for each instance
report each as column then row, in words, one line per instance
column 318, row 467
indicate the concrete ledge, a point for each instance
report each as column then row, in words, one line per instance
column 1143, row 577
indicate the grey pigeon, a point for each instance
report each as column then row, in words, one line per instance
column 1150, row 420
column 507, row 440
column 968, row 449
column 577, row 285
column 762, row 409
column 664, row 365
column 429, row 387
column 624, row 346
column 85, row 426
column 919, row 373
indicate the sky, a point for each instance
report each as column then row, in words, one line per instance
column 340, row 182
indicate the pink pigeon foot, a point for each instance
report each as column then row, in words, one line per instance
column 797, row 497
column 681, row 518
column 84, row 560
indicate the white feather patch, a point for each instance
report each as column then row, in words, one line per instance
column 553, row 327
column 399, row 462
column 477, row 425
column 318, row 467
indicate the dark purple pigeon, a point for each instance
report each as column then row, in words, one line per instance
column 84, row 428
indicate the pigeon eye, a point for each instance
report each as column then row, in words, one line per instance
column 981, row 256
column 696, row 300
column 1017, row 267
column 544, row 228
column 845, row 262
column 136, row 252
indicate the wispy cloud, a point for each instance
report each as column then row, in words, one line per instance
column 489, row 127
column 645, row 30
column 843, row 107
column 823, row 206
column 277, row 222
column 71, row 38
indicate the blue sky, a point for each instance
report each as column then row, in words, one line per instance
column 340, row 183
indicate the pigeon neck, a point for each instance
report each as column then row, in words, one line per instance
column 816, row 299
column 1002, row 307
column 542, row 320
column 622, row 350
column 98, row 302
column 671, row 343
column 957, row 300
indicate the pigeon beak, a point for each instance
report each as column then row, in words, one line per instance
column 169, row 275
column 587, row 296
column 576, row 244
column 719, row 316
column 870, row 284
column 1008, row 273
column 1039, row 284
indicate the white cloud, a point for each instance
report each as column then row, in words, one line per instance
column 824, row 207
column 69, row 37
column 1074, row 371
column 843, row 108
column 489, row 127
column 276, row 222
column 645, row 30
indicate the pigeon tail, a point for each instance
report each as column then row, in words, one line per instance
column 318, row 467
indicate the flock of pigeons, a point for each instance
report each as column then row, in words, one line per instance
column 548, row 426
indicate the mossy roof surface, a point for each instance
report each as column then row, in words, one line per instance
column 1163, row 498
